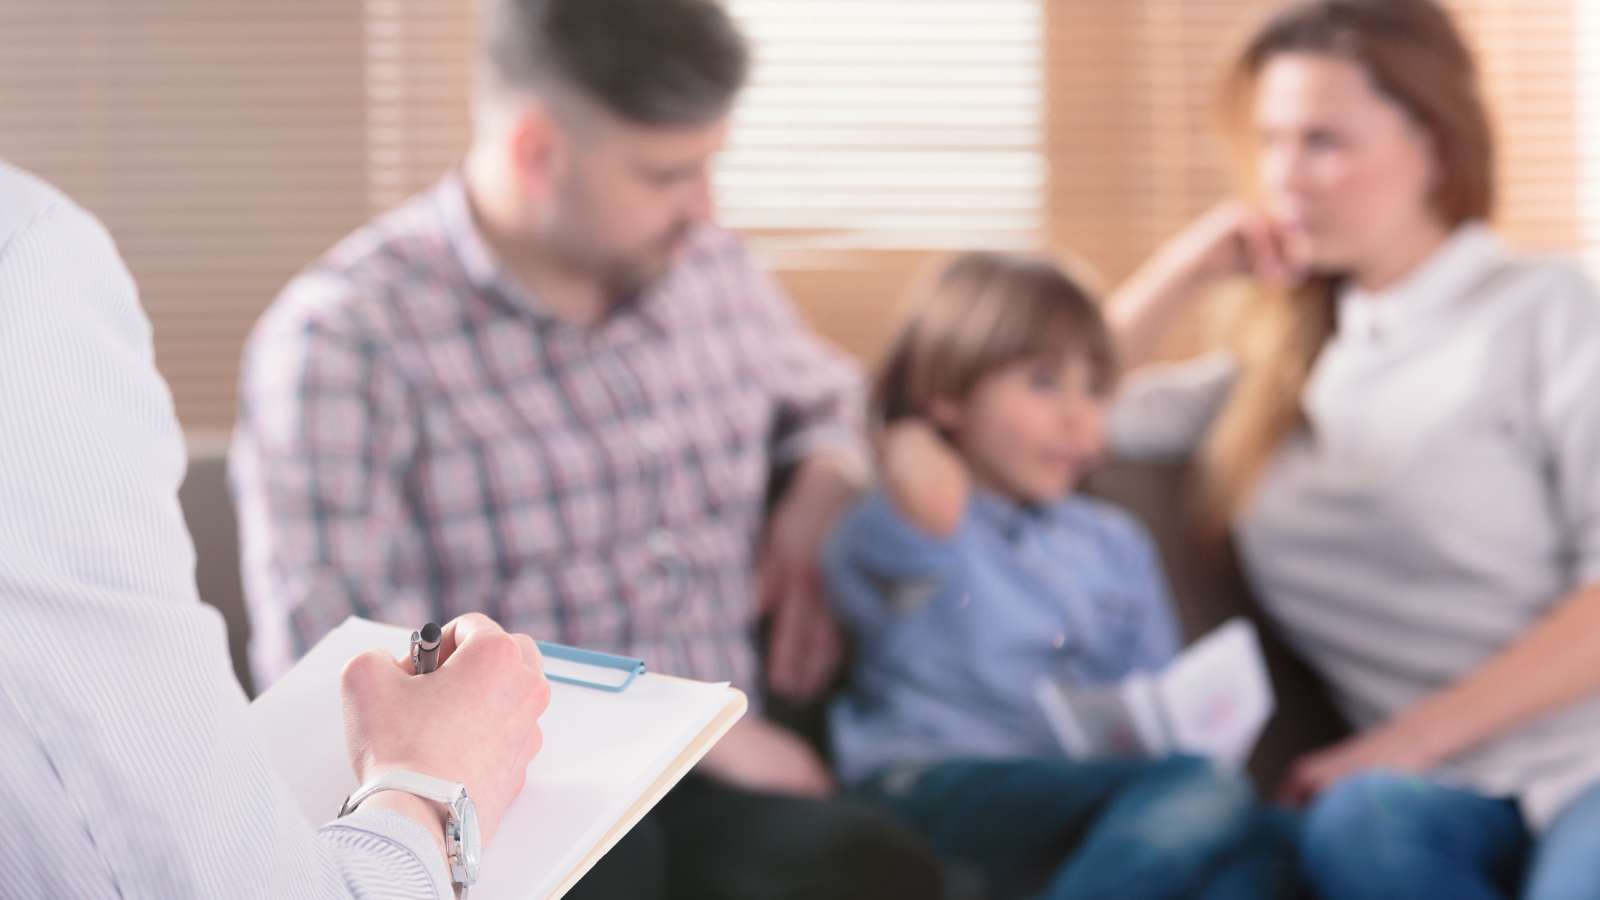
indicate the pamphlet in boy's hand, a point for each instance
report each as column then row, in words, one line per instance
column 1213, row 700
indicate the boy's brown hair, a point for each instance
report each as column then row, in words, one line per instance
column 982, row 311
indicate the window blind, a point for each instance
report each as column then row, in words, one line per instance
column 418, row 84
column 1132, row 138
column 868, row 123
column 220, row 142
column 889, row 124
column 1133, row 90
column 227, row 144
column 1528, row 60
column 1587, row 33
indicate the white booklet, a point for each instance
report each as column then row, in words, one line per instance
column 1213, row 700
column 607, row 758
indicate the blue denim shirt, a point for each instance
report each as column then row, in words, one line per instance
column 953, row 633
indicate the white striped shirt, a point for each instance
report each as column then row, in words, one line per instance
column 127, row 766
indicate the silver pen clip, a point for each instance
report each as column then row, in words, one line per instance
column 425, row 649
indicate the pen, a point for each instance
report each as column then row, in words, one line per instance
column 425, row 649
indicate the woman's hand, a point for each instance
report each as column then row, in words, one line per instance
column 1548, row 668
column 1385, row 747
column 924, row 476
column 1232, row 239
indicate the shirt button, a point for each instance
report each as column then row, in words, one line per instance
column 1059, row 641
column 662, row 544
column 650, row 437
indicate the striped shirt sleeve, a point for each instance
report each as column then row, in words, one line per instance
column 128, row 768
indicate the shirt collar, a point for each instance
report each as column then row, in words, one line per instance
column 1005, row 515
column 482, row 267
column 486, row 272
column 1471, row 253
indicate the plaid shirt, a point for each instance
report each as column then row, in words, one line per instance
column 419, row 438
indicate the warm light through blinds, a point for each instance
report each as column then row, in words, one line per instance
column 1588, row 43
column 418, row 56
column 868, row 123
column 1133, row 87
column 890, row 123
column 220, row 142
column 1527, row 54
column 227, row 144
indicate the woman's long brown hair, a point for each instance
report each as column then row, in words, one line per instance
column 1413, row 54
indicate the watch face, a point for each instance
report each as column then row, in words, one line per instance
column 471, row 842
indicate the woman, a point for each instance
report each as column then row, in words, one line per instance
column 1404, row 436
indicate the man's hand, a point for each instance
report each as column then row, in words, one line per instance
column 756, row 755
column 805, row 647
column 475, row 720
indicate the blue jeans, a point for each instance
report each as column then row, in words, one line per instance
column 1386, row 835
column 1127, row 829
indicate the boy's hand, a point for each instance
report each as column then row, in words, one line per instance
column 924, row 476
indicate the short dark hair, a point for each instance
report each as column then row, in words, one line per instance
column 673, row 63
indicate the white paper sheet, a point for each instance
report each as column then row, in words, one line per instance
column 601, row 752
column 1217, row 696
column 1213, row 700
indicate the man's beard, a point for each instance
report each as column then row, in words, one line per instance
column 627, row 275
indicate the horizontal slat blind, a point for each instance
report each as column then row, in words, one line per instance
column 1133, row 90
column 1588, row 104
column 221, row 142
column 227, row 144
column 889, row 123
column 418, row 85
column 1132, row 141
column 1527, row 54
column 868, row 123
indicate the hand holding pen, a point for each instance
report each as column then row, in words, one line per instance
column 474, row 719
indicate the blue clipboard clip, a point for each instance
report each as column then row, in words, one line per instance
column 634, row 667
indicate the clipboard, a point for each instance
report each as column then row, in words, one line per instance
column 674, row 773
column 617, row 738
column 593, row 659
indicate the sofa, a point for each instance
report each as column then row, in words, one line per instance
column 1205, row 581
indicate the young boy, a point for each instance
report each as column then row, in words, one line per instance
column 976, row 570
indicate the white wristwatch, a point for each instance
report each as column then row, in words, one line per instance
column 462, row 840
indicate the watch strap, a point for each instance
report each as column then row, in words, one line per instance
column 424, row 786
